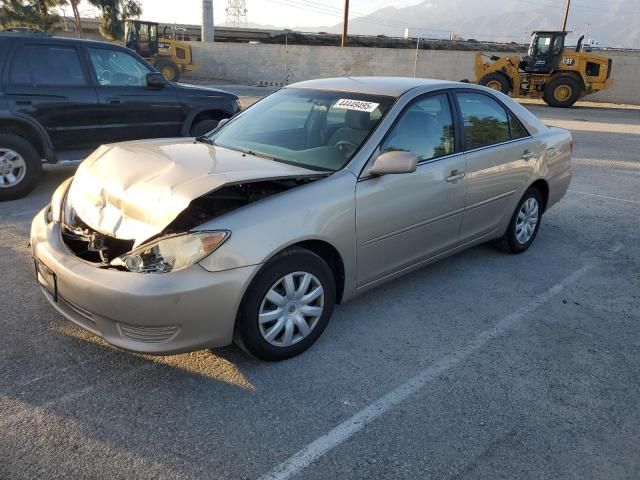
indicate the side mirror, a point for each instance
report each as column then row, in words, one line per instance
column 223, row 122
column 394, row 162
column 156, row 80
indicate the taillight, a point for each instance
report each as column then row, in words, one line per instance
column 571, row 147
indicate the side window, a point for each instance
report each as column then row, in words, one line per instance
column 485, row 121
column 425, row 128
column 119, row 69
column 47, row 65
column 517, row 131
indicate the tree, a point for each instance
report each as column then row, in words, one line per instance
column 76, row 16
column 114, row 13
column 37, row 14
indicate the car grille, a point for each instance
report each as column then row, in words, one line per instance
column 148, row 334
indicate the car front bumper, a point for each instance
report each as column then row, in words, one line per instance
column 146, row 313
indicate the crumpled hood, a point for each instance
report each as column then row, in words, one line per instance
column 133, row 190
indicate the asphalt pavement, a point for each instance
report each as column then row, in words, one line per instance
column 482, row 366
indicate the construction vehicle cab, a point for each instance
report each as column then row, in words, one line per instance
column 548, row 71
column 169, row 56
column 545, row 52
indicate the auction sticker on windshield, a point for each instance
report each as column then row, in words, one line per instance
column 358, row 105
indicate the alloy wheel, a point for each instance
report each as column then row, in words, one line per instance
column 12, row 168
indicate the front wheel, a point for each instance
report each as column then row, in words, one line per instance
column 524, row 224
column 287, row 306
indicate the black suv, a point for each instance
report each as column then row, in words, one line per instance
column 60, row 98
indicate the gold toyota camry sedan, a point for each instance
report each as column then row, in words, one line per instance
column 320, row 191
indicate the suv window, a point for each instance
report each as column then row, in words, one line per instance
column 46, row 65
column 425, row 128
column 117, row 68
column 485, row 120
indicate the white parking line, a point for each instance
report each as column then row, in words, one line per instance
column 605, row 197
column 354, row 424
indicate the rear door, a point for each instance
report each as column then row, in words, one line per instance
column 404, row 219
column 500, row 158
column 129, row 109
column 49, row 82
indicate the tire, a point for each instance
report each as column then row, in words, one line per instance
column 203, row 126
column 26, row 177
column 250, row 335
column 510, row 241
column 496, row 81
column 169, row 69
column 562, row 92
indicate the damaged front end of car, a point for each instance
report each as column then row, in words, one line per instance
column 180, row 243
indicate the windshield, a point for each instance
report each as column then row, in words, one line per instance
column 313, row 129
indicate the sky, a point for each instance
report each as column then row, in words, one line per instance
column 280, row 13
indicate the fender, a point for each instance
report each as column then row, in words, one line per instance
column 37, row 129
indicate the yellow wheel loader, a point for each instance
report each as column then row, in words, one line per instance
column 548, row 71
column 170, row 57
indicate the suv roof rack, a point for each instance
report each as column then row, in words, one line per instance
column 24, row 31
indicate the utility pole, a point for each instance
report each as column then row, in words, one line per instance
column 345, row 24
column 566, row 15
column 207, row 21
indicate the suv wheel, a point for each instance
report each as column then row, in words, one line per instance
column 287, row 306
column 204, row 126
column 20, row 167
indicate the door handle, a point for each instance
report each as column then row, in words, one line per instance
column 455, row 176
column 113, row 100
column 23, row 102
column 527, row 155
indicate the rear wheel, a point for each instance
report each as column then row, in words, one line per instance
column 562, row 92
column 20, row 167
column 496, row 81
column 287, row 306
column 524, row 224
column 169, row 69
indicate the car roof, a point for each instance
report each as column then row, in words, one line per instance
column 45, row 37
column 390, row 86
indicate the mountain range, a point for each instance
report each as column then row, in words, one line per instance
column 613, row 23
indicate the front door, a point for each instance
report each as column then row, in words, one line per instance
column 130, row 109
column 49, row 82
column 500, row 157
column 404, row 219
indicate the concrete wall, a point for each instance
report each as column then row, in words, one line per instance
column 257, row 64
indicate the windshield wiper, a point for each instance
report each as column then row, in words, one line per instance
column 204, row 139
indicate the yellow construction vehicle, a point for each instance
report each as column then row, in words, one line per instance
column 165, row 53
column 548, row 71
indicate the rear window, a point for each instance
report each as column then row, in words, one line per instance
column 487, row 122
column 46, row 65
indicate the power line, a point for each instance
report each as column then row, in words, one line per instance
column 308, row 5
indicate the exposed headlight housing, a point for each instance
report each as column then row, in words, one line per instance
column 173, row 253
